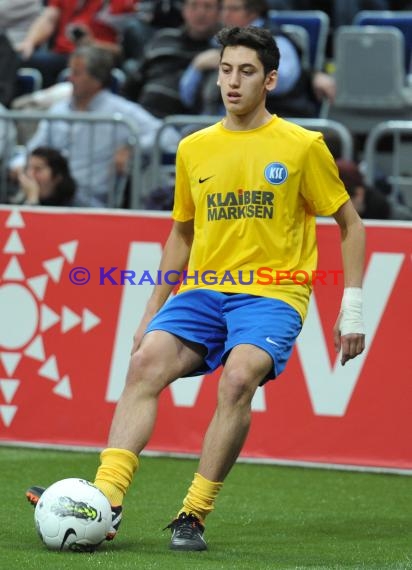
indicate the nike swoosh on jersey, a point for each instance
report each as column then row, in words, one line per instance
column 201, row 180
column 268, row 339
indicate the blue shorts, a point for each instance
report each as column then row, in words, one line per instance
column 221, row 321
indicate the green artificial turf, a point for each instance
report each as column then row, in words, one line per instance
column 267, row 517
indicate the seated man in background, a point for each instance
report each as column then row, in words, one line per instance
column 297, row 91
column 155, row 84
column 97, row 152
column 67, row 24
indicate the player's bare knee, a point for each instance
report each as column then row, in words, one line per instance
column 144, row 367
column 236, row 388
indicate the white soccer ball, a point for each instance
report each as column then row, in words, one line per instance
column 73, row 514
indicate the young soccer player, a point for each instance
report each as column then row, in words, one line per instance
column 247, row 192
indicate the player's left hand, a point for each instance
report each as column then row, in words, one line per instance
column 352, row 344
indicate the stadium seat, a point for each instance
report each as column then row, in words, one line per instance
column 300, row 35
column 398, row 19
column 315, row 22
column 118, row 80
column 370, row 78
column 29, row 80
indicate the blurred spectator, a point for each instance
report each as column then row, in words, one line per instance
column 160, row 199
column 66, row 24
column 369, row 203
column 16, row 17
column 9, row 64
column 297, row 89
column 98, row 153
column 47, row 180
column 151, row 16
column 155, row 84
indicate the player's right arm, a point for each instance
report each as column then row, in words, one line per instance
column 174, row 258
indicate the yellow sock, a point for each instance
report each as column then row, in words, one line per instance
column 115, row 473
column 200, row 497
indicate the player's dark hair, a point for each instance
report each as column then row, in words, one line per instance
column 258, row 39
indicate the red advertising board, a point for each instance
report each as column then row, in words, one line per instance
column 67, row 321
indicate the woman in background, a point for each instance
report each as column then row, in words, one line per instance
column 47, row 180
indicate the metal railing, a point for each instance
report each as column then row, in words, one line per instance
column 397, row 130
column 91, row 126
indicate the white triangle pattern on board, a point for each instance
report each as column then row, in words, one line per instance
column 15, row 220
column 48, row 318
column 35, row 349
column 49, row 369
column 69, row 250
column 63, row 388
column 69, row 319
column 14, row 244
column 38, row 285
column 10, row 361
column 13, row 271
column 54, row 267
column 90, row 320
column 8, row 387
column 7, row 414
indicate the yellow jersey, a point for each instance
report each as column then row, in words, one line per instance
column 253, row 196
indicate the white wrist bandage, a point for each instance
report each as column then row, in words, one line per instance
column 351, row 320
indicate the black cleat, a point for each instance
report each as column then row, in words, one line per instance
column 187, row 533
column 116, row 520
column 34, row 493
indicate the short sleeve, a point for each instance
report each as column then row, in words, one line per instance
column 322, row 188
column 184, row 208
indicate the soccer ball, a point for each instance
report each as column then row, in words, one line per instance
column 73, row 514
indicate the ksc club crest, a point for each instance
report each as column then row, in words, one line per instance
column 276, row 173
